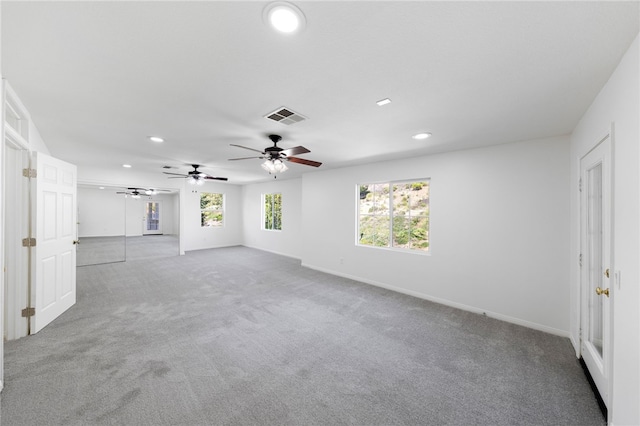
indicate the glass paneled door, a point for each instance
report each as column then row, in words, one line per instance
column 152, row 218
column 595, row 262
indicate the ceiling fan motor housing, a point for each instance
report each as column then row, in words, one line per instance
column 273, row 152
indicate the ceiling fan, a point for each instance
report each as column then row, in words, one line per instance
column 274, row 156
column 135, row 192
column 138, row 192
column 195, row 176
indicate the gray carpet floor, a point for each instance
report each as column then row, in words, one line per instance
column 96, row 250
column 238, row 336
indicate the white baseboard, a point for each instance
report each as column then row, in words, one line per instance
column 446, row 302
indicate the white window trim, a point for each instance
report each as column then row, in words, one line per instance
column 390, row 206
column 263, row 215
column 224, row 207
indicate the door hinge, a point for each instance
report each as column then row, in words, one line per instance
column 580, row 260
column 28, row 312
column 29, row 173
column 28, row 242
column 580, row 184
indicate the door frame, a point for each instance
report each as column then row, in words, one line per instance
column 17, row 219
column 15, row 134
column 582, row 293
column 145, row 230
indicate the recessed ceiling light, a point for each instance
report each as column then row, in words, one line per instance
column 156, row 139
column 284, row 17
column 384, row 101
column 126, row 166
column 102, row 187
column 421, row 136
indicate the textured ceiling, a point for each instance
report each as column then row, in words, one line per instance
column 99, row 77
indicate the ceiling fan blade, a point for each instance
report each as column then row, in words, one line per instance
column 215, row 178
column 177, row 177
column 177, row 174
column 243, row 158
column 303, row 161
column 246, row 147
column 296, row 150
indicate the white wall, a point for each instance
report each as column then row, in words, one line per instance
column 498, row 229
column 168, row 213
column 134, row 216
column 194, row 237
column 288, row 241
column 100, row 213
column 618, row 103
column 36, row 142
column 176, row 214
column 126, row 178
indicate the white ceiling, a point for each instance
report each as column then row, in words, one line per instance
column 99, row 77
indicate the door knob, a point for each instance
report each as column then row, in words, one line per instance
column 76, row 241
column 606, row 273
column 600, row 291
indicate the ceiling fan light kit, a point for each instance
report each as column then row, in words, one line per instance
column 274, row 166
column 275, row 156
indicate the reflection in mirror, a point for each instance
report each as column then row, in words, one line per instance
column 101, row 226
column 153, row 226
column 113, row 226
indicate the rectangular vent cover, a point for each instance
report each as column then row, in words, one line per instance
column 285, row 116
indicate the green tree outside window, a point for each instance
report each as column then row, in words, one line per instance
column 394, row 215
column 272, row 219
column 211, row 209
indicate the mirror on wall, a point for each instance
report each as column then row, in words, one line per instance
column 152, row 226
column 101, row 225
column 116, row 226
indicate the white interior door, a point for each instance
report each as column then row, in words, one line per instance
column 595, row 206
column 152, row 218
column 53, row 280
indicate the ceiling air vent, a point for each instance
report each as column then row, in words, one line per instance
column 285, row 116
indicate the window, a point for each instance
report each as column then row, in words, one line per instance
column 211, row 209
column 394, row 214
column 272, row 212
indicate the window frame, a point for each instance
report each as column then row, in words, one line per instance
column 390, row 216
column 221, row 210
column 264, row 212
